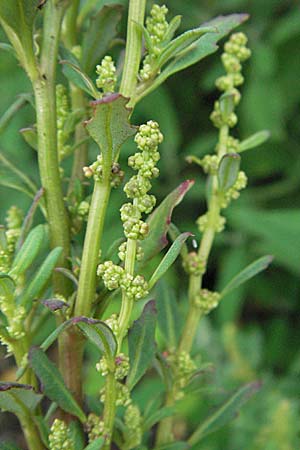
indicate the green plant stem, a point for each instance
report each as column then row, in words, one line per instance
column 136, row 15
column 109, row 406
column 164, row 432
column 31, row 434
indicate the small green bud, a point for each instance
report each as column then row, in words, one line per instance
column 94, row 427
column 146, row 203
column 83, row 209
column 193, row 264
column 123, row 395
column 107, row 78
column 137, row 186
column 59, row 436
column 122, row 366
column 122, row 252
column 204, row 222
column 111, row 274
column 14, row 218
column 207, row 300
column 113, row 323
column 149, row 136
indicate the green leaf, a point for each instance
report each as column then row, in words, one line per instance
column 141, row 344
column 30, row 137
column 7, row 285
column 41, row 278
column 19, row 399
column 169, row 258
column 228, row 171
column 181, row 43
column 225, row 413
column 159, row 221
column 53, row 384
column 157, row 416
column 27, row 223
column 99, row 34
column 249, row 272
column 79, row 78
column 97, row 444
column 203, row 47
column 174, row 446
column 8, row 446
column 16, row 185
column 20, row 174
column 17, row 19
column 12, row 110
column 226, row 105
column 167, row 314
column 172, row 28
column 254, row 140
column 29, row 250
column 110, row 126
column 99, row 334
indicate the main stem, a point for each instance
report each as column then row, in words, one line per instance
column 164, row 432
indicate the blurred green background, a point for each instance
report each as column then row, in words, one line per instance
column 255, row 333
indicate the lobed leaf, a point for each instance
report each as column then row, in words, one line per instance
column 141, row 344
column 159, row 221
column 225, row 413
column 53, row 384
column 249, row 272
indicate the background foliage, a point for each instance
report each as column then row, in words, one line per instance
column 254, row 334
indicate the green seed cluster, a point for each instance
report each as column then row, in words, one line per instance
column 204, row 221
column 113, row 324
column 115, row 277
column 59, row 436
column 133, row 423
column 123, row 395
column 107, row 78
column 121, row 366
column 234, row 192
column 94, row 427
column 207, row 300
column 156, row 25
column 183, row 368
column 235, row 52
column 62, row 111
column 15, row 315
column 122, row 252
column 95, row 170
column 193, row 264
column 14, row 220
column 210, row 164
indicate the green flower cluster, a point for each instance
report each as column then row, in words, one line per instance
column 123, row 395
column 122, row 252
column 94, row 427
column 95, row 170
column 156, row 25
column 183, row 367
column 59, row 436
column 235, row 53
column 113, row 323
column 233, row 193
column 115, row 277
column 207, row 300
column 193, row 264
column 107, row 78
column 10, row 236
column 121, row 366
column 62, row 112
column 144, row 162
column 205, row 220
column 133, row 423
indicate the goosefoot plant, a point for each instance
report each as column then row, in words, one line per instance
column 93, row 104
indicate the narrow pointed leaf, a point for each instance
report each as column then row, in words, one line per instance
column 249, row 272
column 99, row 34
column 254, row 140
column 141, row 343
column 7, row 285
column 12, row 110
column 228, row 171
column 109, row 126
column 29, row 250
column 203, row 47
column 172, row 28
column 41, row 278
column 97, row 444
column 53, row 384
column 78, row 77
column 167, row 314
column 157, row 416
column 99, row 334
column 30, row 137
column 169, row 258
column 19, row 399
column 19, row 173
column 159, row 221
column 27, row 223
column 225, row 413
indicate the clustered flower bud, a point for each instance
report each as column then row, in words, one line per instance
column 95, row 170
column 133, row 423
column 94, row 427
column 122, row 252
column 235, row 53
column 193, row 264
column 113, row 324
column 204, row 222
column 207, row 300
column 115, row 277
column 234, row 192
column 121, row 366
column 156, row 25
column 10, row 237
column 123, row 395
column 15, row 315
column 107, row 78
column 59, row 436
column 183, row 368
column 62, row 111
column 210, row 164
